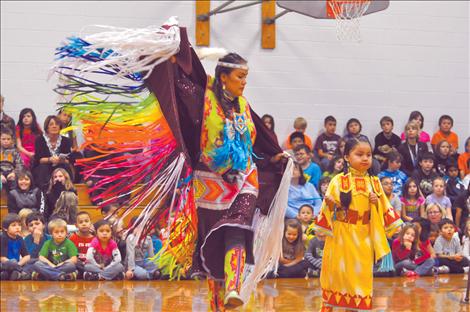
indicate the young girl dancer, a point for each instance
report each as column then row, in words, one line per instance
column 27, row 130
column 412, row 201
column 356, row 216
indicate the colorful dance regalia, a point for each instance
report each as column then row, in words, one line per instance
column 355, row 237
column 173, row 145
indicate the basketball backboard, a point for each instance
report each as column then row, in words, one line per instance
column 318, row 8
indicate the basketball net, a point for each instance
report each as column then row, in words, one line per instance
column 348, row 15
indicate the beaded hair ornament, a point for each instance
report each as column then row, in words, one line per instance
column 231, row 65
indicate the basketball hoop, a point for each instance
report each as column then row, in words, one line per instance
column 348, row 15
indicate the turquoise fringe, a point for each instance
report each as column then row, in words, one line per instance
column 234, row 153
column 387, row 264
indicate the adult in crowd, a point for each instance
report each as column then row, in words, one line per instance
column 301, row 193
column 51, row 151
column 435, row 213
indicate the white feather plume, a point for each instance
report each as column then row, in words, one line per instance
column 211, row 54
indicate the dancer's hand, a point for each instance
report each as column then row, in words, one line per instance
column 330, row 201
column 280, row 157
column 373, row 198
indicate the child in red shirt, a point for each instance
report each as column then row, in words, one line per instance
column 82, row 239
column 405, row 251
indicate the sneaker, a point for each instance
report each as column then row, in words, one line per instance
column 15, row 275
column 4, row 276
column 90, row 276
column 19, row 276
column 411, row 274
column 71, row 276
column 156, row 275
column 443, row 269
column 312, row 273
column 34, row 276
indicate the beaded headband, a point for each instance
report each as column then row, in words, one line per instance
column 231, row 65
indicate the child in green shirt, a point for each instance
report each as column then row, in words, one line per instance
column 58, row 256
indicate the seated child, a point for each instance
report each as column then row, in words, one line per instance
column 295, row 139
column 292, row 263
column 37, row 237
column 353, row 130
column 445, row 133
column 60, row 185
column 23, row 214
column 387, row 186
column 405, row 250
column 326, row 144
column 425, row 250
column 103, row 259
column 424, row 175
column 438, row 197
column 386, row 141
column 412, row 201
column 335, row 166
column 464, row 160
column 110, row 213
column 454, row 185
column 82, row 238
column 300, row 125
column 14, row 256
column 393, row 172
column 324, row 182
column 305, row 217
column 66, row 208
column 10, row 159
column 58, row 256
column 314, row 253
column 312, row 171
column 25, row 195
column 156, row 241
column 447, row 247
column 412, row 150
column 139, row 266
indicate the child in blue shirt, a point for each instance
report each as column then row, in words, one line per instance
column 14, row 256
column 35, row 240
column 393, row 172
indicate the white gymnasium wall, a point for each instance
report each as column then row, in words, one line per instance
column 414, row 56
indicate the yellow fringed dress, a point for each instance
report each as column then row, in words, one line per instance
column 354, row 239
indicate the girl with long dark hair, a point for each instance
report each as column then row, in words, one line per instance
column 27, row 130
column 357, row 217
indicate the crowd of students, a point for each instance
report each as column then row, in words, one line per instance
column 45, row 237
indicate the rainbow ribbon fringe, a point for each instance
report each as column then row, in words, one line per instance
column 135, row 159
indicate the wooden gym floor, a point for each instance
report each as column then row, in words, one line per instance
column 390, row 294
